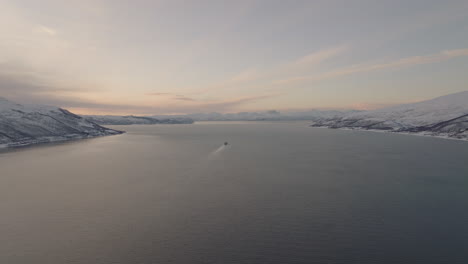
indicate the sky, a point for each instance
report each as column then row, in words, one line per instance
column 172, row 57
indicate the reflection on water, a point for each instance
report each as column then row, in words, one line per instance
column 283, row 193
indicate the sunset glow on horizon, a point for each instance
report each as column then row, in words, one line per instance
column 175, row 57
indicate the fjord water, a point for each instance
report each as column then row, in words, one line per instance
column 279, row 193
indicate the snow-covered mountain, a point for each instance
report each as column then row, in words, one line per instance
column 271, row 115
column 137, row 120
column 445, row 116
column 30, row 124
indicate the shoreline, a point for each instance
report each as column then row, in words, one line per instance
column 419, row 134
column 48, row 140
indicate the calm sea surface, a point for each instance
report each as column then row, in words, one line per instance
column 280, row 193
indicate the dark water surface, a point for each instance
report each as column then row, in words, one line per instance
column 281, row 193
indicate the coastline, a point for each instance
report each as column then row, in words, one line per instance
column 53, row 139
column 419, row 134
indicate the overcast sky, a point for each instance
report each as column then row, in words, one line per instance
column 171, row 56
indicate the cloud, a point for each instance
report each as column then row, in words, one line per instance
column 47, row 30
column 400, row 63
column 447, row 12
column 318, row 57
column 226, row 105
column 86, row 107
column 18, row 87
column 172, row 96
column 371, row 106
column 246, row 75
column 455, row 53
column 299, row 65
column 28, row 89
column 22, row 84
column 183, row 98
column 158, row 94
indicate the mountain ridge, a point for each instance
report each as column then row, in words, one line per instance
column 444, row 116
column 22, row 125
column 136, row 120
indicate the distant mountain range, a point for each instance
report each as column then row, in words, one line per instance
column 445, row 116
column 22, row 125
column 271, row 115
column 136, row 120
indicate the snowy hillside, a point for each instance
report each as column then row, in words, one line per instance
column 137, row 120
column 29, row 124
column 442, row 116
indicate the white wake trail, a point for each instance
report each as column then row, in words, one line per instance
column 219, row 149
column 216, row 153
